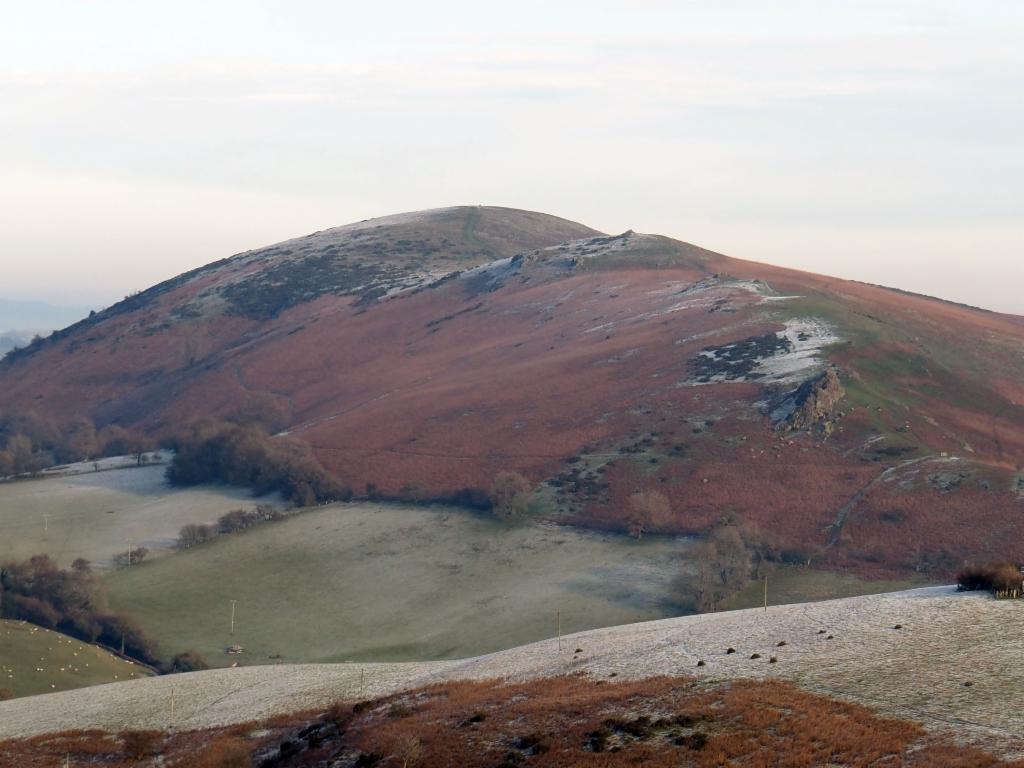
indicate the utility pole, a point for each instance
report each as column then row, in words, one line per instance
column 46, row 524
column 233, row 616
column 558, row 619
column 766, row 593
column 129, row 553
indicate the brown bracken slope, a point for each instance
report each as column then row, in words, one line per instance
column 423, row 353
column 567, row 721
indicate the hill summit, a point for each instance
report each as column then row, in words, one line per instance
column 422, row 354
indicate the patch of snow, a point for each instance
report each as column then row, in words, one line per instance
column 808, row 336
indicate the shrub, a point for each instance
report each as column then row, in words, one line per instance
column 995, row 577
column 225, row 752
column 240, row 519
column 6, row 694
column 221, row 452
column 130, row 557
column 473, row 498
column 138, row 745
column 648, row 510
column 188, row 661
column 510, row 495
column 71, row 601
column 191, row 535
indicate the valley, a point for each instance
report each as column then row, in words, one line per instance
column 374, row 582
column 478, row 443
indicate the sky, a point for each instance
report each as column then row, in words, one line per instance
column 880, row 141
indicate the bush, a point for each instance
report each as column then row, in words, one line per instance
column 221, row 452
column 510, row 495
column 473, row 498
column 138, row 745
column 6, row 694
column 240, row 519
column 71, row 601
column 189, row 661
column 225, row 752
column 648, row 510
column 192, row 535
column 130, row 557
column 995, row 577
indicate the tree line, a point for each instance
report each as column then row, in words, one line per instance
column 72, row 601
column 29, row 443
column 245, row 455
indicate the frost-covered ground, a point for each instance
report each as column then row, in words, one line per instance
column 954, row 665
column 81, row 512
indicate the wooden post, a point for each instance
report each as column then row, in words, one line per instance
column 558, row 619
column 766, row 593
column 233, row 617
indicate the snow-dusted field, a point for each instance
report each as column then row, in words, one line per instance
column 79, row 511
column 919, row 672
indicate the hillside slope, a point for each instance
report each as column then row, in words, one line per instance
column 35, row 660
column 424, row 353
column 951, row 665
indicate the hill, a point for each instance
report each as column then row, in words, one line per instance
column 864, row 428
column 950, row 664
column 36, row 660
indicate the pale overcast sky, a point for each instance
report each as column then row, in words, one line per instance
column 882, row 141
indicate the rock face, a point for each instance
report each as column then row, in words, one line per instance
column 814, row 403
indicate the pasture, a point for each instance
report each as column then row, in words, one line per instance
column 36, row 660
column 393, row 583
column 795, row 584
column 945, row 659
column 95, row 515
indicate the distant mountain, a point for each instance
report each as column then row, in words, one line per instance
column 861, row 427
column 21, row 321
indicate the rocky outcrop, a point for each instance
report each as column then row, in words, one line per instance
column 813, row 405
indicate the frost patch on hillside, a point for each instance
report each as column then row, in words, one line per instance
column 780, row 358
column 807, row 337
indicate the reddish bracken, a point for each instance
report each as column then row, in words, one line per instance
column 441, row 389
column 569, row 721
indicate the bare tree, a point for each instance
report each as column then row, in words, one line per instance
column 725, row 562
column 647, row 510
column 510, row 495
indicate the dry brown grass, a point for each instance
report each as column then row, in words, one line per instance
column 567, row 721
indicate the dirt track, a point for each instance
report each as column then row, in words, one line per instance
column 917, row 672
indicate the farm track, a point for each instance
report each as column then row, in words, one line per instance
column 846, row 648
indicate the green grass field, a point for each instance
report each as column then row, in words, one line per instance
column 388, row 583
column 791, row 584
column 95, row 515
column 35, row 660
